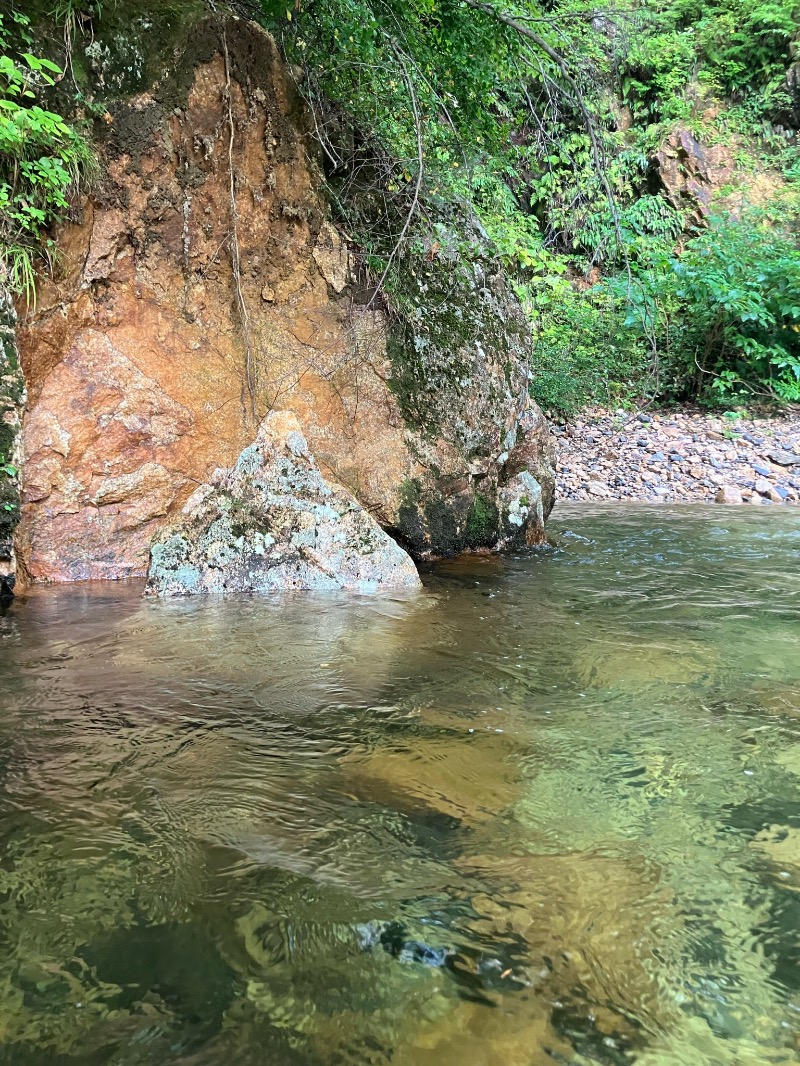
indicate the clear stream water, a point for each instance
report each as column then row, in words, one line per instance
column 546, row 811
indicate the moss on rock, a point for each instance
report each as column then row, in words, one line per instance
column 459, row 341
column 458, row 346
column 483, row 521
column 12, row 392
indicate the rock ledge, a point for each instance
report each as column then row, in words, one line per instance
column 273, row 523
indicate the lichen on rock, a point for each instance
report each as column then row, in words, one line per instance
column 12, row 395
column 273, row 522
column 459, row 344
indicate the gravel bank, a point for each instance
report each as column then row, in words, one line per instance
column 681, row 454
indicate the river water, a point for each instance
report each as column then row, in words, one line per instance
column 545, row 811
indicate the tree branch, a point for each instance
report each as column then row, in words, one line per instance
column 565, row 71
column 420, row 171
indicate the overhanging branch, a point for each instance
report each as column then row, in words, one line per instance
column 576, row 93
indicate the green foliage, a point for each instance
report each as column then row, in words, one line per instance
column 739, row 49
column 482, row 521
column 725, row 312
column 435, row 109
column 437, row 116
column 425, row 104
column 582, row 352
column 42, row 157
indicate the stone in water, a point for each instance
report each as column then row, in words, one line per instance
column 273, row 523
column 728, row 494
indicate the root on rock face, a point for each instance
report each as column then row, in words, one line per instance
column 249, row 367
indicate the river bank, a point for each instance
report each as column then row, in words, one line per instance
column 680, row 454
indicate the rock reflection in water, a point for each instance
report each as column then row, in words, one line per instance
column 545, row 810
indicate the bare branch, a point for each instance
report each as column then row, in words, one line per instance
column 420, row 171
column 235, row 257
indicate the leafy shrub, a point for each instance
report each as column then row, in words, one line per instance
column 736, row 48
column 41, row 156
column 582, row 352
column 725, row 313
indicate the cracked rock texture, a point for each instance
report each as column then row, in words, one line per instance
column 272, row 523
column 139, row 379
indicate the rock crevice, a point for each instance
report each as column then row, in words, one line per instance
column 12, row 399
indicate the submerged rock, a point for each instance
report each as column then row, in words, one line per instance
column 392, row 937
column 273, row 522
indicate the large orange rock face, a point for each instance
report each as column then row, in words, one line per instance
column 152, row 361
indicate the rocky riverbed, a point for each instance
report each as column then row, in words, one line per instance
column 682, row 454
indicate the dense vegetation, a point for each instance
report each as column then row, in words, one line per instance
column 42, row 157
column 530, row 128
column 540, row 122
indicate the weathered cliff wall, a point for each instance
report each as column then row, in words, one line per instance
column 202, row 286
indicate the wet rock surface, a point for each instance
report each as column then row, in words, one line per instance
column 273, row 523
column 678, row 455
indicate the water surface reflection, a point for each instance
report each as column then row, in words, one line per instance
column 544, row 811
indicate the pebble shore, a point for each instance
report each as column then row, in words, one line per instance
column 679, row 455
